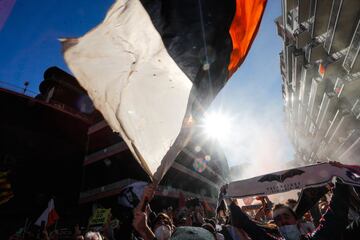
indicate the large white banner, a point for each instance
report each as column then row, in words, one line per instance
column 292, row 179
column 134, row 83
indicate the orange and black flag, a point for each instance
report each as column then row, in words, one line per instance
column 5, row 188
column 152, row 66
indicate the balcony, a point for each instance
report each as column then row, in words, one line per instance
column 307, row 74
column 289, row 50
column 297, row 63
column 356, row 109
column 352, row 62
column 288, row 5
column 321, row 16
column 338, row 132
column 349, row 151
column 316, row 53
column 321, row 152
column 348, row 92
column 303, row 10
column 280, row 26
column 302, row 39
column 327, row 111
column 334, row 70
column 315, row 97
column 282, row 65
column 342, row 24
column 338, row 127
column 307, row 125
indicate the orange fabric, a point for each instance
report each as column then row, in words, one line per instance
column 243, row 29
column 321, row 70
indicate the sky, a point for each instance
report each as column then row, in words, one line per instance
column 252, row 98
column 29, row 32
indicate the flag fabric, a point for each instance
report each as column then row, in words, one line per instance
column 297, row 178
column 308, row 198
column 151, row 67
column 49, row 216
column 6, row 192
column 321, row 70
column 131, row 194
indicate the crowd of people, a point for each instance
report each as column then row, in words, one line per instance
column 230, row 221
column 277, row 221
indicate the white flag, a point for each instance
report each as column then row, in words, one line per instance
column 133, row 82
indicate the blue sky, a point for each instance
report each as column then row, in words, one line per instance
column 253, row 99
column 29, row 45
column 28, row 39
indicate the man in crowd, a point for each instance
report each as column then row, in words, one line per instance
column 332, row 225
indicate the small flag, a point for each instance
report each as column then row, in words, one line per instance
column 131, row 194
column 321, row 70
column 49, row 216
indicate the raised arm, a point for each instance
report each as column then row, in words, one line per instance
column 240, row 220
column 335, row 220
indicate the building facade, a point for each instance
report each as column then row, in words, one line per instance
column 199, row 170
column 320, row 67
column 55, row 144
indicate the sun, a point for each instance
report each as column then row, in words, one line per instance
column 217, row 125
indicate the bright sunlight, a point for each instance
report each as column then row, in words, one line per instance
column 217, row 125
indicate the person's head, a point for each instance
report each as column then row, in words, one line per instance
column 93, row 236
column 162, row 219
column 308, row 217
column 286, row 221
column 192, row 233
column 162, row 227
column 284, row 215
column 210, row 228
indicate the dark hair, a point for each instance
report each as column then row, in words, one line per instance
column 161, row 217
column 211, row 221
column 291, row 201
column 280, row 205
column 210, row 228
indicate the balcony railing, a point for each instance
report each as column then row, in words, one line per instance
column 321, row 14
column 326, row 112
column 297, row 62
column 356, row 109
column 315, row 53
column 350, row 149
column 303, row 10
column 22, row 90
column 341, row 24
column 351, row 62
column 313, row 94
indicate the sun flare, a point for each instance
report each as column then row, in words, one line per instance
column 217, row 126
